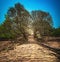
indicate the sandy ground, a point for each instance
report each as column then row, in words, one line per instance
column 29, row 52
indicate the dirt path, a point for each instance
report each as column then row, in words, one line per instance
column 31, row 39
column 28, row 53
column 31, row 52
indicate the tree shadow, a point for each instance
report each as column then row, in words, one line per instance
column 55, row 50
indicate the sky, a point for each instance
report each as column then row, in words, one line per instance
column 51, row 6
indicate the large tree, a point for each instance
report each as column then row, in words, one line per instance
column 19, row 18
column 42, row 22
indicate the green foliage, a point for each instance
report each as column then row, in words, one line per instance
column 16, row 22
column 6, row 33
column 18, row 19
column 42, row 22
column 55, row 32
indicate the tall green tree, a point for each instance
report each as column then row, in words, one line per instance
column 42, row 22
column 19, row 17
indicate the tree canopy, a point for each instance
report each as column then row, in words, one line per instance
column 18, row 20
column 42, row 22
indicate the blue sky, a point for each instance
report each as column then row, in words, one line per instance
column 51, row 6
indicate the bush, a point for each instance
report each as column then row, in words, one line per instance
column 55, row 32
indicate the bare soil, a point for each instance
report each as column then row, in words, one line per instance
column 28, row 52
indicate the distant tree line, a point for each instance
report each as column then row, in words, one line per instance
column 55, row 32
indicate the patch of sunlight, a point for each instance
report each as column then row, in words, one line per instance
column 30, row 31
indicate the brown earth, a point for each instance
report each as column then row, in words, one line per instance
column 53, row 42
column 29, row 52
